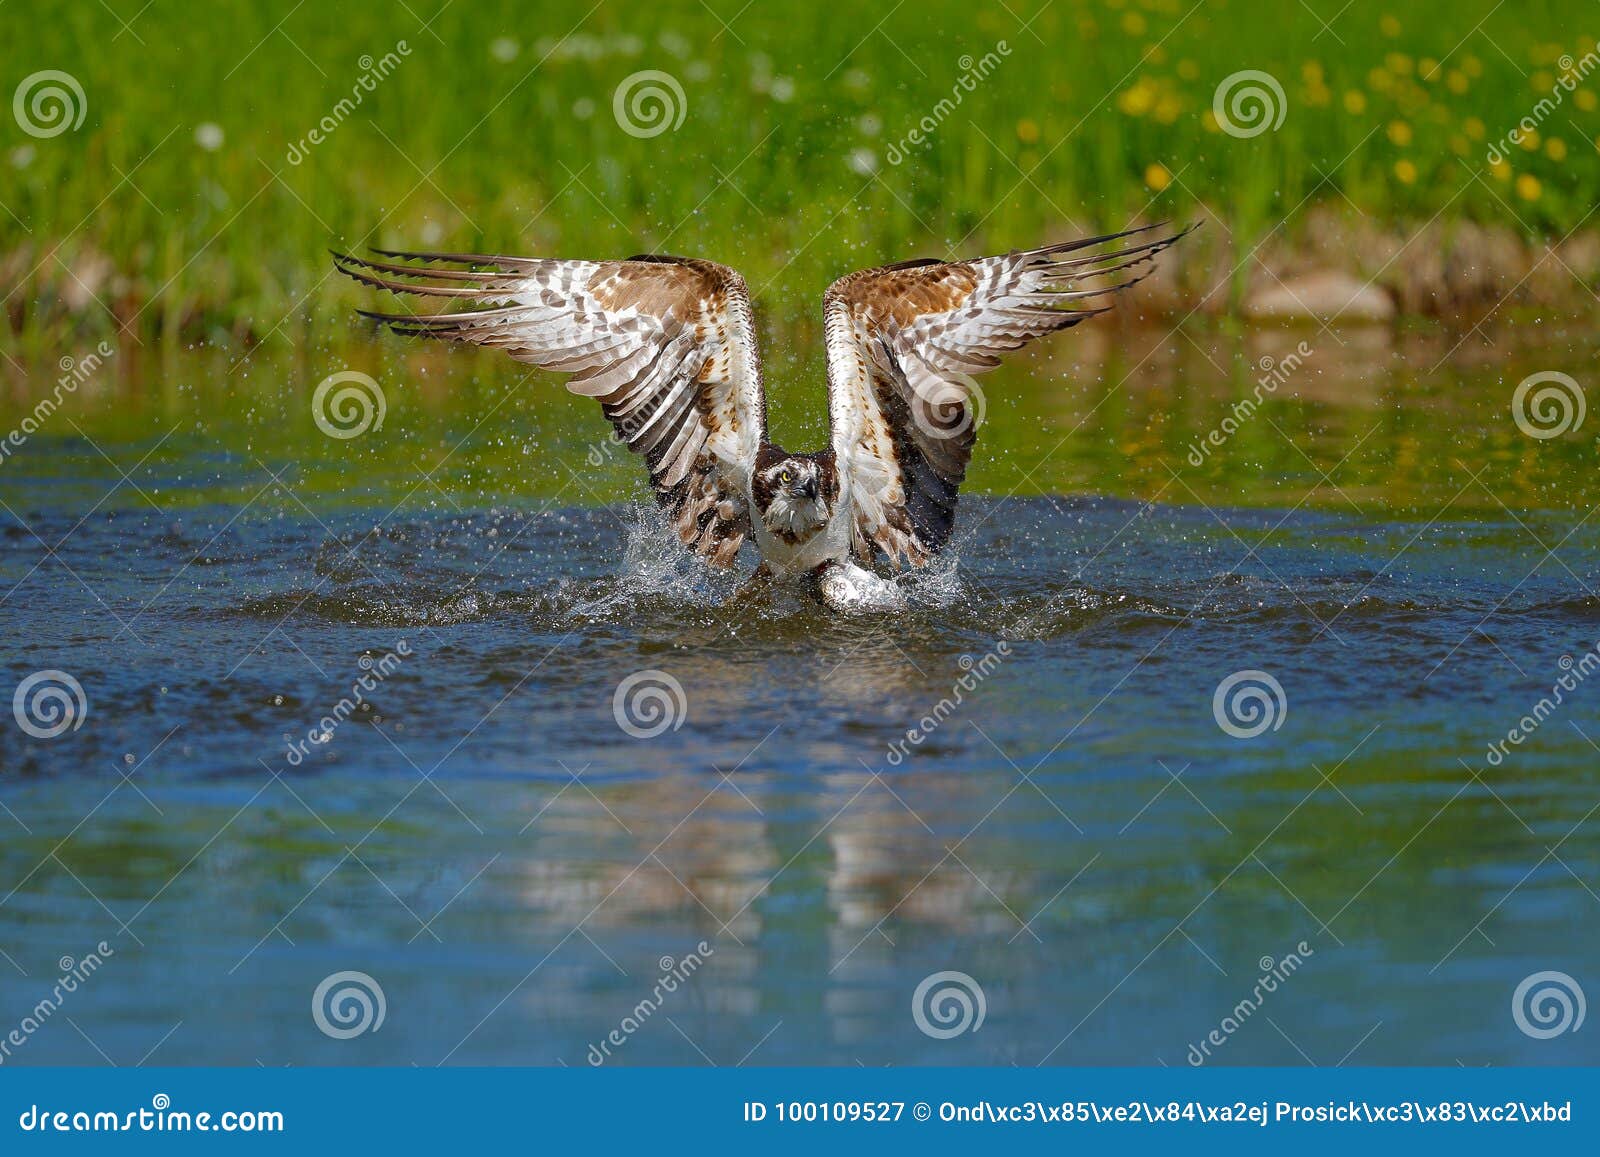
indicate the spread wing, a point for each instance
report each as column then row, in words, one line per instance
column 903, row 342
column 665, row 344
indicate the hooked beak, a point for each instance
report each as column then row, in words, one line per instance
column 809, row 488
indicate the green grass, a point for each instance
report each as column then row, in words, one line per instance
column 497, row 132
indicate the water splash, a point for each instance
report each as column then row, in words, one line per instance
column 656, row 567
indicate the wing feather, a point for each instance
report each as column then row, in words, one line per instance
column 903, row 339
column 665, row 344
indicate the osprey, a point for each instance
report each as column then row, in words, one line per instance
column 667, row 346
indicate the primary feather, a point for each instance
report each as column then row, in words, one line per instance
column 667, row 346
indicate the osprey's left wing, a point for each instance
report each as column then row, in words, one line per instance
column 666, row 345
column 902, row 342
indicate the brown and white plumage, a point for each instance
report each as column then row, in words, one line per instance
column 667, row 345
column 903, row 344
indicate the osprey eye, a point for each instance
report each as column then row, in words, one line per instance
column 785, row 477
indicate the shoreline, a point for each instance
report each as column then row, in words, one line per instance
column 1333, row 266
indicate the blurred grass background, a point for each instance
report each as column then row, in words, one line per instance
column 174, row 211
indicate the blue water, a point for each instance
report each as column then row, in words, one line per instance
column 1078, row 834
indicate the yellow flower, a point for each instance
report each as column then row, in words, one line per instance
column 1168, row 108
column 1355, row 102
column 1500, row 171
column 1459, row 145
column 1157, row 177
column 1428, row 69
column 1133, row 23
column 1556, row 149
column 1398, row 63
column 1027, row 131
column 1400, row 133
column 1457, row 81
column 1406, row 171
column 1208, row 121
column 1473, row 127
column 1139, row 99
column 1585, row 99
column 1530, row 140
column 1472, row 66
column 1380, row 80
column 1311, row 70
column 1528, row 187
column 1389, row 26
column 1318, row 96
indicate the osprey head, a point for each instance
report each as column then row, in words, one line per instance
column 794, row 494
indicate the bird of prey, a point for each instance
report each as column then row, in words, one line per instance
column 667, row 345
